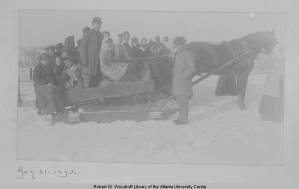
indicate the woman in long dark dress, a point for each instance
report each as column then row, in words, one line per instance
column 67, row 79
column 272, row 103
column 43, row 84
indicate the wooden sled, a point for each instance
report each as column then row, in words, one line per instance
column 80, row 96
column 115, row 89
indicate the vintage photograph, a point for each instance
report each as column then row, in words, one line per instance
column 151, row 86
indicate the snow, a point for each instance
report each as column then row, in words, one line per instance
column 218, row 133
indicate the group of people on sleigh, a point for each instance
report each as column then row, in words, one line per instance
column 96, row 61
column 121, row 61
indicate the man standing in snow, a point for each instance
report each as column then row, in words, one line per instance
column 89, row 50
column 184, row 69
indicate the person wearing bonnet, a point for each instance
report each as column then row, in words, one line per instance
column 272, row 103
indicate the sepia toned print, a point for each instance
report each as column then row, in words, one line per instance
column 153, row 87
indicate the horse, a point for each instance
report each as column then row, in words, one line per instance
column 208, row 57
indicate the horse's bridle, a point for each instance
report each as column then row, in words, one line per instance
column 236, row 54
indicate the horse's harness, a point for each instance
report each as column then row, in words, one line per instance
column 233, row 52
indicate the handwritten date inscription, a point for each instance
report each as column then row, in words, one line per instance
column 35, row 173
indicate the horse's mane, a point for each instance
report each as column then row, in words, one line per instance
column 254, row 41
column 256, row 36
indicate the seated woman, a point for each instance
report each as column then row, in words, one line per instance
column 70, row 76
column 113, row 61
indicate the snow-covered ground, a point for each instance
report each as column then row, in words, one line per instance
column 218, row 133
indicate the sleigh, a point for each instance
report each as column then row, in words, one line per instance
column 116, row 89
column 141, row 84
column 98, row 95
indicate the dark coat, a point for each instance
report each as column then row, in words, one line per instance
column 128, row 48
column 43, row 74
column 69, row 46
column 51, row 60
column 89, row 50
column 45, row 99
column 184, row 69
column 57, row 71
column 136, row 52
column 138, row 64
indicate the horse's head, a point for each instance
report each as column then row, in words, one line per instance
column 269, row 41
column 261, row 41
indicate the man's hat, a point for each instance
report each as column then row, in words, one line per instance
column 97, row 20
column 85, row 29
column 180, row 40
column 43, row 56
column 58, row 46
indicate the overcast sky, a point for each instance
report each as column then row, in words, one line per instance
column 46, row 27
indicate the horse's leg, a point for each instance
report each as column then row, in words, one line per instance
column 242, row 93
column 245, row 67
